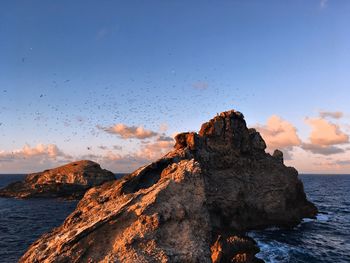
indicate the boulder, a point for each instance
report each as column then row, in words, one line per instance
column 195, row 204
column 69, row 181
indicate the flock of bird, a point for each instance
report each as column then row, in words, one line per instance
column 66, row 110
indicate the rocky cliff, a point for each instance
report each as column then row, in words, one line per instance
column 192, row 205
column 68, row 181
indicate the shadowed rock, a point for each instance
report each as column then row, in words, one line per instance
column 68, row 181
column 278, row 155
column 192, row 205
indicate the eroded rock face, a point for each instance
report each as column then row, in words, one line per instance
column 192, row 205
column 68, row 181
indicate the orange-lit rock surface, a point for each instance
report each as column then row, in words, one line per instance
column 67, row 181
column 192, row 205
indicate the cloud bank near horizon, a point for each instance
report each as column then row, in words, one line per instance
column 41, row 157
column 326, row 143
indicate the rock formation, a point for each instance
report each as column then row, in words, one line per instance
column 192, row 205
column 69, row 181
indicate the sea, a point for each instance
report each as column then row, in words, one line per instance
column 324, row 239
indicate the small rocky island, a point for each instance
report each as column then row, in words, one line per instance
column 69, row 181
column 195, row 204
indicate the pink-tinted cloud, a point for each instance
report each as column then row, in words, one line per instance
column 129, row 132
column 155, row 150
column 163, row 127
column 331, row 114
column 118, row 163
column 279, row 133
column 148, row 152
column 32, row 159
column 319, row 163
column 41, row 150
column 325, row 133
column 343, row 162
column 331, row 166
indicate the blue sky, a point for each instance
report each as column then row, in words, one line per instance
column 69, row 69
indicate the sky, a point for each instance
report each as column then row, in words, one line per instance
column 114, row 81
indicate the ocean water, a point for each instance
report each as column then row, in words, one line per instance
column 24, row 221
column 325, row 239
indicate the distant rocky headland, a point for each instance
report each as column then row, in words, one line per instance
column 69, row 181
column 195, row 204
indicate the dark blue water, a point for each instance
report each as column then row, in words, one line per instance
column 326, row 239
column 24, row 221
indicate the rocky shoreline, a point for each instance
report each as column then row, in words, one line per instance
column 193, row 205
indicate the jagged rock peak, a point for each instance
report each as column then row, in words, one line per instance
column 226, row 131
column 221, row 123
